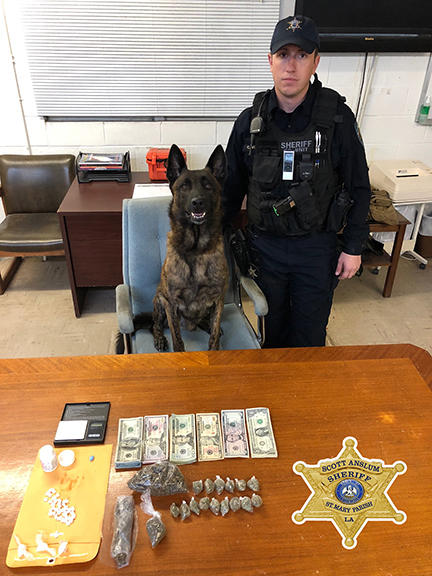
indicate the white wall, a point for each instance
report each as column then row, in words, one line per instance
column 388, row 128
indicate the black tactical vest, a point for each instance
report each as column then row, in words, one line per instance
column 302, row 204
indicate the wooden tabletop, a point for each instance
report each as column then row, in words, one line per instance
column 317, row 397
column 101, row 197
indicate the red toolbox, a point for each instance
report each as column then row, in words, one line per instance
column 157, row 160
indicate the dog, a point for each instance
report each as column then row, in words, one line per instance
column 194, row 275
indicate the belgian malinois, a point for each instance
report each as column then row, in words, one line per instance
column 194, row 275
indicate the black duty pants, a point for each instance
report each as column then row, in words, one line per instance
column 297, row 276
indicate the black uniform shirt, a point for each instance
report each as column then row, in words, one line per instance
column 348, row 159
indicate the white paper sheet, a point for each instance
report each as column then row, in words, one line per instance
column 151, row 190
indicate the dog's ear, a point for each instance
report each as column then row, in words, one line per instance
column 175, row 165
column 217, row 164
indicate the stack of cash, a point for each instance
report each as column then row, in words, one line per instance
column 186, row 438
column 234, row 434
column 129, row 443
column 155, row 439
column 209, row 437
column 183, row 447
column 261, row 437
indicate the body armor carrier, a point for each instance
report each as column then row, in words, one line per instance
column 313, row 198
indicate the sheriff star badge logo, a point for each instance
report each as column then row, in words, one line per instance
column 294, row 25
column 349, row 490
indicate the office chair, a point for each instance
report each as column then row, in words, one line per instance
column 32, row 189
column 145, row 228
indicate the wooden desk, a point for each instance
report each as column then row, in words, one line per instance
column 317, row 396
column 391, row 261
column 91, row 223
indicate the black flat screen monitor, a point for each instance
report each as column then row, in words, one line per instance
column 371, row 25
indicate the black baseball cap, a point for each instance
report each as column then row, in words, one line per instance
column 298, row 30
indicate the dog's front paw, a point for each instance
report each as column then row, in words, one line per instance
column 178, row 346
column 161, row 343
column 213, row 344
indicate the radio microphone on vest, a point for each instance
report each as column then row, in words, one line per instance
column 256, row 125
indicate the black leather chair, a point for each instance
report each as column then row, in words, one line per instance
column 32, row 189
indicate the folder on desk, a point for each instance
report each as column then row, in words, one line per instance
column 84, row 484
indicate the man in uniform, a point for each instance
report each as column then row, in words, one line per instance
column 298, row 157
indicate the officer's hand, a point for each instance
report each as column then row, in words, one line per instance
column 347, row 265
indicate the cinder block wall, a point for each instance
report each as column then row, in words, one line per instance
column 389, row 129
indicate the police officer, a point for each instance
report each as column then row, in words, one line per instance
column 298, row 157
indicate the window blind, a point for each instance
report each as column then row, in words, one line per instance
column 148, row 59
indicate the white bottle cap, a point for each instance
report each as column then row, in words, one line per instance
column 66, row 458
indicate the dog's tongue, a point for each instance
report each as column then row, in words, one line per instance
column 198, row 215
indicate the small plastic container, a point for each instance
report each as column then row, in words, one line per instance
column 425, row 111
column 66, row 458
column 48, row 458
column 157, row 160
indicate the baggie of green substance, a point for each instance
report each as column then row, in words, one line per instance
column 197, row 486
column 229, row 485
column 204, row 503
column 240, row 485
column 219, row 485
column 175, row 511
column 155, row 529
column 253, row 484
column 235, row 503
column 209, row 485
column 224, row 506
column 246, row 503
column 184, row 511
column 256, row 500
column 194, row 506
column 162, row 478
column 215, row 506
column 124, row 531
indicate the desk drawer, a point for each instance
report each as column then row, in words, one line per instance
column 95, row 242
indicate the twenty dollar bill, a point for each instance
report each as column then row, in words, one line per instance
column 209, row 437
column 155, row 444
column 183, row 448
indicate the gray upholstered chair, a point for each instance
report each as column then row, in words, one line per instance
column 145, row 228
column 32, row 189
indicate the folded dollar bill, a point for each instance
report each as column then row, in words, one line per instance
column 234, row 434
column 129, row 443
column 183, row 449
column 209, row 436
column 261, row 437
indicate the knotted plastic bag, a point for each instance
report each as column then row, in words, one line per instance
column 161, row 478
column 155, row 527
column 125, row 530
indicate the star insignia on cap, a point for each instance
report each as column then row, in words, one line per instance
column 294, row 25
column 349, row 490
